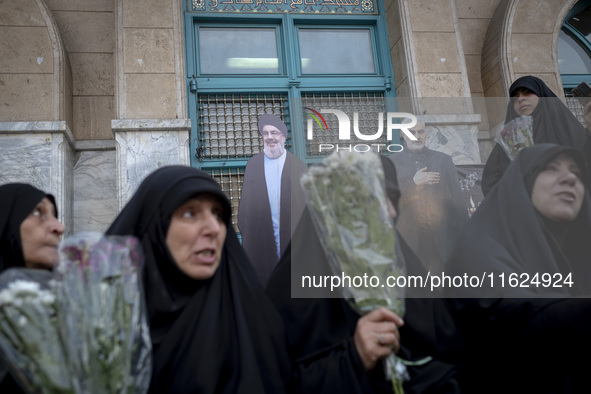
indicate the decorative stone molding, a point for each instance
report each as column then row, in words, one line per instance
column 41, row 154
column 144, row 145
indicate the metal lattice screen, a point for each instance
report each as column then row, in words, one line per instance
column 230, row 179
column 228, row 130
column 367, row 104
column 227, row 124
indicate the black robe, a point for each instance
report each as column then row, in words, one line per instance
column 254, row 213
column 431, row 217
column 525, row 339
column 553, row 123
column 17, row 201
column 320, row 330
column 220, row 335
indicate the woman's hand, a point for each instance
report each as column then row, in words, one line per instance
column 376, row 335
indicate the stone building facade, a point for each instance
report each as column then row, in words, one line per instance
column 94, row 95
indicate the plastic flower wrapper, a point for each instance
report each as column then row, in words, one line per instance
column 349, row 209
column 102, row 314
column 29, row 334
column 516, row 135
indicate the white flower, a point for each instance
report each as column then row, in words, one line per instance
column 22, row 288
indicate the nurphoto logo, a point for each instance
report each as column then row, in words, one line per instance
column 344, row 131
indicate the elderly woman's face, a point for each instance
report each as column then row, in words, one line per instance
column 40, row 236
column 558, row 190
column 525, row 101
column 196, row 236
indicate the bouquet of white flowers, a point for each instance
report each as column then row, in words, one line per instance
column 516, row 135
column 349, row 209
column 82, row 328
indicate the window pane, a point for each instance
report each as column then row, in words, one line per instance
column 336, row 51
column 582, row 22
column 238, row 50
column 572, row 58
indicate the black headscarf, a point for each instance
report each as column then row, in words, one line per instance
column 320, row 330
column 270, row 119
column 553, row 123
column 531, row 341
column 17, row 201
column 220, row 335
column 507, row 234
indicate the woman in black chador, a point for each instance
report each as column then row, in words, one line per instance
column 553, row 123
column 534, row 227
column 212, row 327
column 335, row 350
column 29, row 236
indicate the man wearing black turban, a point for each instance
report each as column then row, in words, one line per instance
column 265, row 212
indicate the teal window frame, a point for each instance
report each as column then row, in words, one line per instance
column 290, row 81
column 569, row 81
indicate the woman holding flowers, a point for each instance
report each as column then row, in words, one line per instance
column 553, row 123
column 334, row 349
column 213, row 329
column 29, row 236
column 529, row 323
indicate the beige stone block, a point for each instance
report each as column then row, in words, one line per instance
column 149, row 51
column 393, row 23
column 474, row 73
column 431, row 15
column 496, row 104
column 536, row 16
column 476, row 8
column 81, row 5
column 473, row 32
column 479, row 105
column 93, row 74
column 20, row 13
column 531, row 53
column 399, row 62
column 151, row 96
column 92, row 117
column 436, row 52
column 87, row 31
column 491, row 77
column 26, row 97
column 388, row 4
column 441, row 85
column 25, row 50
column 148, row 13
column 497, row 89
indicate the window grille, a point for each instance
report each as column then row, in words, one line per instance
column 367, row 104
column 230, row 179
column 227, row 124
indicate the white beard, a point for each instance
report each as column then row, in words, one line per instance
column 273, row 153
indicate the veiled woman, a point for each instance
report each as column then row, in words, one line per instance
column 335, row 350
column 553, row 123
column 528, row 334
column 29, row 237
column 212, row 327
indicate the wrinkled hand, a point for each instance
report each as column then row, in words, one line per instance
column 587, row 115
column 376, row 335
column 423, row 177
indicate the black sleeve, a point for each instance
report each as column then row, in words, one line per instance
column 494, row 168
